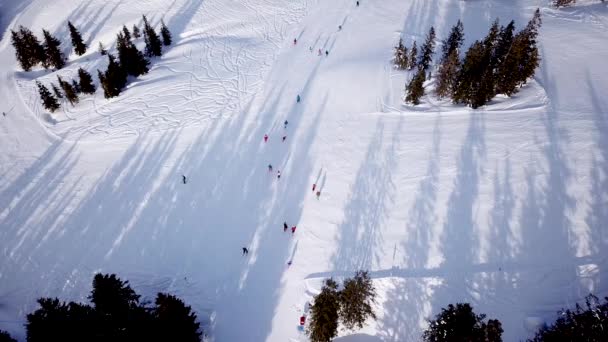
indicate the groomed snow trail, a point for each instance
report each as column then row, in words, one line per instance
column 503, row 207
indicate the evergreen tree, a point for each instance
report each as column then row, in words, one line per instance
column 564, row 3
column 76, row 86
column 446, row 76
column 356, row 299
column 461, row 323
column 175, row 320
column 323, row 325
column 115, row 78
column 469, row 77
column 153, row 44
column 401, row 55
column 126, row 33
column 104, row 84
column 68, row 89
column 6, row 337
column 413, row 56
column 28, row 49
column 56, row 91
column 57, row 321
column 48, row 100
column 503, row 49
column 415, row 89
column 131, row 59
column 427, row 50
column 54, row 56
column 164, row 32
column 102, row 50
column 136, row 33
column 454, row 41
column 588, row 323
column 79, row 46
column 86, row 82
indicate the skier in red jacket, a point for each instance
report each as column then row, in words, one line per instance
column 265, row 137
column 293, row 229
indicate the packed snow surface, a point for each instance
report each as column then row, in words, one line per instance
column 505, row 207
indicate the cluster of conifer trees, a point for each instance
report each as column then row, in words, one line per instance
column 499, row 64
column 130, row 62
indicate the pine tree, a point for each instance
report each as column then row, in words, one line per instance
column 164, row 32
column 563, row 3
column 70, row 93
column 58, row 321
column 86, row 82
column 6, row 337
column 102, row 50
column 48, row 100
column 503, row 48
column 413, row 56
column 401, row 55
column 470, row 74
column 126, row 33
column 153, row 44
column 76, row 86
column 28, row 49
column 175, row 320
column 446, row 76
column 56, row 91
column 136, row 33
column 356, row 299
column 415, row 89
column 454, row 41
column 54, row 56
column 104, row 84
column 131, row 59
column 79, row 46
column 323, row 325
column 461, row 323
column 114, row 79
column 427, row 50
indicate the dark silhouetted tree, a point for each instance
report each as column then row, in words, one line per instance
column 415, row 89
column 454, row 41
column 323, row 324
column 588, row 323
column 115, row 78
column 469, row 77
column 165, row 33
column 102, row 50
column 53, row 55
column 563, row 3
column 28, row 49
column 126, row 33
column 401, row 57
column 446, row 75
column 427, row 50
column 136, row 32
column 56, row 91
column 153, row 44
column 85, row 82
column 76, row 86
column 460, row 323
column 6, row 337
column 68, row 89
column 175, row 321
column 57, row 321
column 413, row 60
column 48, row 100
column 77, row 43
column 356, row 299
column 131, row 59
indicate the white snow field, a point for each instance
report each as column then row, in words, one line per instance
column 505, row 207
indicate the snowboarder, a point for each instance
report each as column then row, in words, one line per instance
column 318, row 194
column 298, row 98
column 313, row 187
column 279, row 174
column 295, row 41
column 284, row 227
column 326, row 53
column 293, row 230
column 245, row 250
column 184, row 179
column 269, row 167
column 284, row 137
column 265, row 137
column 286, row 122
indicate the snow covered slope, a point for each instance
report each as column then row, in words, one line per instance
column 504, row 207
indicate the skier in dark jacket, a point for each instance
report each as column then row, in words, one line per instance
column 285, row 226
column 298, row 99
column 286, row 122
column 245, row 250
column 184, row 179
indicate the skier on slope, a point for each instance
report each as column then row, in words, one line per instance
column 293, row 230
column 184, row 179
column 245, row 250
column 314, row 186
column 286, row 122
column 318, row 194
column 279, row 174
column 319, row 52
column 357, row 3
column 284, row 226
column 295, row 41
column 326, row 53
column 269, row 167
column 265, row 137
column 298, row 98
column 284, row 137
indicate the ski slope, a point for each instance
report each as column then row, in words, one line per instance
column 505, row 207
